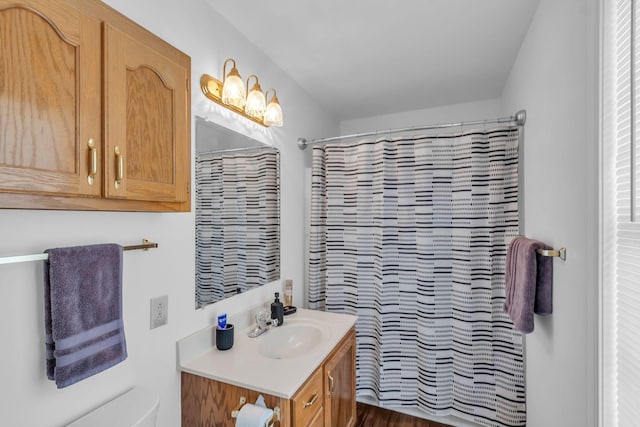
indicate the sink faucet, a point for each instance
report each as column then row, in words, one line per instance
column 263, row 322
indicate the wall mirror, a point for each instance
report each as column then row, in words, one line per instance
column 237, row 213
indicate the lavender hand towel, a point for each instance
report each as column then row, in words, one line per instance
column 528, row 282
column 83, row 312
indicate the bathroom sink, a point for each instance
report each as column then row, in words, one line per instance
column 290, row 340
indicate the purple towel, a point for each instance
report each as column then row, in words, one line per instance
column 528, row 282
column 83, row 312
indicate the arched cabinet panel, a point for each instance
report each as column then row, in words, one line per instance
column 144, row 98
column 50, row 81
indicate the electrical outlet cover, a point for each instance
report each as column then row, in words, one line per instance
column 159, row 312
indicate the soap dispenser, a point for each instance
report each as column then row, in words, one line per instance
column 277, row 310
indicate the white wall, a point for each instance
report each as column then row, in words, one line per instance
column 27, row 398
column 470, row 111
column 554, row 79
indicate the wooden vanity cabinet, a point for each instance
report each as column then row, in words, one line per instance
column 340, row 384
column 318, row 421
column 208, row 403
column 326, row 399
column 94, row 111
column 307, row 403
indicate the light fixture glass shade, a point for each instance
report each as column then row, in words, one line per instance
column 273, row 113
column 256, row 103
column 233, row 91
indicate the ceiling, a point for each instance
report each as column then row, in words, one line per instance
column 361, row 58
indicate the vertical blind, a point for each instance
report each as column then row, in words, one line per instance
column 621, row 222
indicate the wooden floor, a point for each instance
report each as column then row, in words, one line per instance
column 372, row 416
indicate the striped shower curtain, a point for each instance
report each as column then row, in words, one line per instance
column 237, row 223
column 410, row 235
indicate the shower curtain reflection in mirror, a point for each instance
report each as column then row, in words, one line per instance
column 237, row 222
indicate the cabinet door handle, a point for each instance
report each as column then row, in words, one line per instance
column 119, row 167
column 93, row 161
column 330, row 383
column 313, row 400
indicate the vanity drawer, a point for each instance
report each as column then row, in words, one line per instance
column 307, row 402
column 318, row 421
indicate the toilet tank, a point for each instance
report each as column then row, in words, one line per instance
column 137, row 407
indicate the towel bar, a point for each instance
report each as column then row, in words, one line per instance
column 271, row 423
column 146, row 244
column 561, row 253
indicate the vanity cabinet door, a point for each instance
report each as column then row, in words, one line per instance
column 50, row 104
column 146, row 120
column 340, row 389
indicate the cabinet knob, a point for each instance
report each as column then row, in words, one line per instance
column 93, row 161
column 313, row 400
column 119, row 167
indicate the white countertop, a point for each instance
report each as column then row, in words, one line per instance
column 244, row 366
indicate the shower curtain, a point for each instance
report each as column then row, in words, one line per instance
column 237, row 223
column 410, row 235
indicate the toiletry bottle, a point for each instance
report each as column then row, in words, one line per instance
column 288, row 293
column 277, row 309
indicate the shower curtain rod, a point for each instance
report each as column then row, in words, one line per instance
column 519, row 119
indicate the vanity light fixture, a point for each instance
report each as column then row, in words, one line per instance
column 231, row 93
column 273, row 114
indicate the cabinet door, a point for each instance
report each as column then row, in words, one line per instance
column 147, row 147
column 50, row 99
column 340, row 374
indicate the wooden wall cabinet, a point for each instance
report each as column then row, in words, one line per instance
column 50, row 86
column 94, row 111
column 326, row 399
